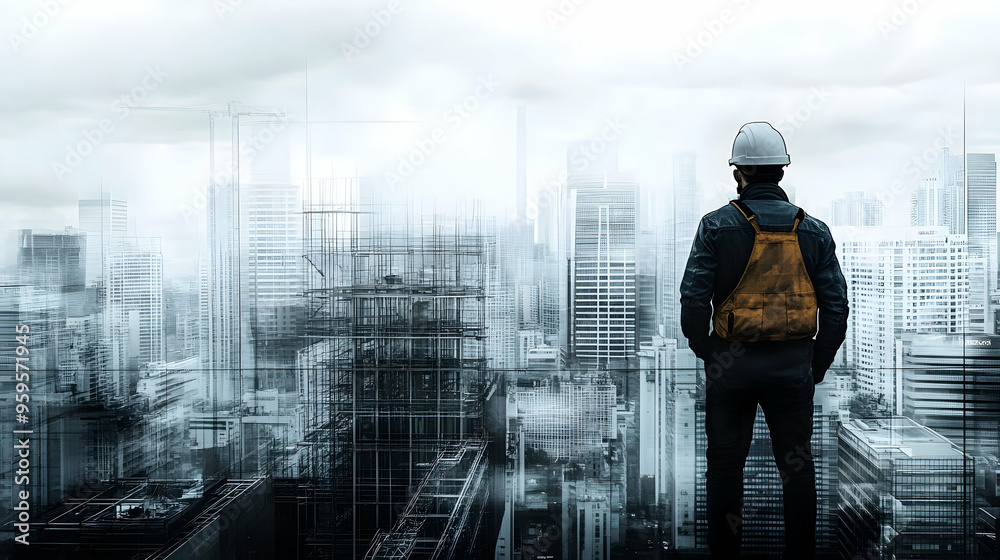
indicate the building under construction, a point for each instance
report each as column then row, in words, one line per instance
column 393, row 382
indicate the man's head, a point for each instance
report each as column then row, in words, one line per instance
column 759, row 155
column 750, row 174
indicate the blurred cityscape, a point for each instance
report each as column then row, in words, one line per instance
column 358, row 374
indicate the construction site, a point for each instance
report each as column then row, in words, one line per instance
column 396, row 458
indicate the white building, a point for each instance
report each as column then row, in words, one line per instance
column 657, row 363
column 856, row 208
column 528, row 340
column 273, row 256
column 135, row 298
column 102, row 220
column 689, row 461
column 900, row 279
column 981, row 222
column 602, row 230
column 939, row 199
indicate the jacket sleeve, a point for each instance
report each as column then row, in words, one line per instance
column 697, row 287
column 831, row 298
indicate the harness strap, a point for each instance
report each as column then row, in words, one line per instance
column 801, row 215
column 749, row 215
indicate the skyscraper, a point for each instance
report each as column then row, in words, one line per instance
column 603, row 268
column 899, row 280
column 271, row 282
column 939, row 199
column 681, row 228
column 981, row 224
column 951, row 384
column 397, row 374
column 135, row 299
column 657, row 368
column 101, row 220
column 905, row 492
column 53, row 260
column 856, row 208
column 982, row 210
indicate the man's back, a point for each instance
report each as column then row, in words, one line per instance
column 719, row 258
column 778, row 375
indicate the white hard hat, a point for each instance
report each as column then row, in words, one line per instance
column 758, row 143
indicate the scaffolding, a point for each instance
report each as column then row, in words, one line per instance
column 395, row 370
column 445, row 514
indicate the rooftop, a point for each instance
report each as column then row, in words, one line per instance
column 900, row 436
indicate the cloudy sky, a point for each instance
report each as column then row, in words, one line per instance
column 859, row 88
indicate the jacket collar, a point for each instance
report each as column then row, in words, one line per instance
column 763, row 191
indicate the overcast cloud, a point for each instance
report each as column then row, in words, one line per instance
column 877, row 83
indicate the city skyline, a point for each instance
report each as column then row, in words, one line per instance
column 393, row 280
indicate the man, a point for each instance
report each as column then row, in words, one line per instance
column 745, row 369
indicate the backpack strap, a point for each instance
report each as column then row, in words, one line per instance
column 801, row 215
column 747, row 213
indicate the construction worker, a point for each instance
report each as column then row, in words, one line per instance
column 759, row 273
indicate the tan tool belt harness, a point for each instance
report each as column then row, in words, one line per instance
column 775, row 299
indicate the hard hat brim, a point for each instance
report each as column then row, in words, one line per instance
column 767, row 160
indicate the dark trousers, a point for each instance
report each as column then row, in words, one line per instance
column 730, row 407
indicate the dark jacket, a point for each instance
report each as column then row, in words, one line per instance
column 719, row 255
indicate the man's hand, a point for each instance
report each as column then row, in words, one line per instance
column 702, row 348
column 818, row 375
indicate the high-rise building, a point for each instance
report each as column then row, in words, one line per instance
column 648, row 298
column 24, row 312
column 182, row 318
column 102, row 220
column 856, row 208
column 905, row 492
column 167, row 392
column 602, row 229
column 225, row 332
column 981, row 177
column 899, row 280
column 570, row 419
column 939, row 199
column 135, row 300
column 502, row 288
column 52, row 260
column 657, row 366
column 951, row 384
column 271, row 279
column 528, row 340
column 981, row 224
column 398, row 372
column 679, row 236
column 689, row 463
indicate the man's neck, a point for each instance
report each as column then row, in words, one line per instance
column 763, row 191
